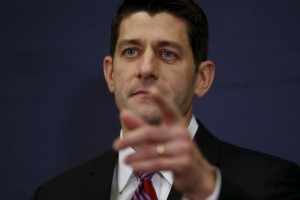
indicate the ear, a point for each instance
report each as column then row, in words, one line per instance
column 109, row 72
column 205, row 77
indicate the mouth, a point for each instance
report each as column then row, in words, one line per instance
column 143, row 93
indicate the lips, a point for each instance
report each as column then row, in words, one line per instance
column 140, row 92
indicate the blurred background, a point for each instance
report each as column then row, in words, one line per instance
column 55, row 109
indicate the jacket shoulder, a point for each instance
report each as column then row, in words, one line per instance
column 264, row 175
column 71, row 184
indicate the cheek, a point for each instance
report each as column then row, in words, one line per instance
column 180, row 79
column 121, row 82
column 184, row 84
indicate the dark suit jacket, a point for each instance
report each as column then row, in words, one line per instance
column 246, row 174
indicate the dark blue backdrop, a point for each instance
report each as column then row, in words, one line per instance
column 55, row 109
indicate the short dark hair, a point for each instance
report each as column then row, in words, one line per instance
column 187, row 10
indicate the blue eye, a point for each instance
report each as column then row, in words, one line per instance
column 131, row 52
column 168, row 54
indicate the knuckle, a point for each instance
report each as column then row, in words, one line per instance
column 185, row 165
column 184, row 148
column 148, row 152
column 183, row 134
column 158, row 165
column 148, row 134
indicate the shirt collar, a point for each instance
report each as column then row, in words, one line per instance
column 125, row 171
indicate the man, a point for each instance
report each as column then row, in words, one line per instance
column 158, row 64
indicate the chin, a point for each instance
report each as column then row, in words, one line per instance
column 152, row 120
column 151, row 116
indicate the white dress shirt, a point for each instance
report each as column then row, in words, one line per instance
column 125, row 181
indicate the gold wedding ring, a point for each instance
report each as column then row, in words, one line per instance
column 160, row 149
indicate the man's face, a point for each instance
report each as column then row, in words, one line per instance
column 152, row 52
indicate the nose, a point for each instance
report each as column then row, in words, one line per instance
column 147, row 67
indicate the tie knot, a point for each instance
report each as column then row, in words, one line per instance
column 145, row 175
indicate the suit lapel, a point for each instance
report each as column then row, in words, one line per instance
column 208, row 144
column 174, row 194
column 98, row 184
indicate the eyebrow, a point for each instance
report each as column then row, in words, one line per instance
column 164, row 43
column 126, row 42
column 160, row 43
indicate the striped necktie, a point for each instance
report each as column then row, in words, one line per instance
column 145, row 190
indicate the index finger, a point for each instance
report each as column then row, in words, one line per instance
column 169, row 112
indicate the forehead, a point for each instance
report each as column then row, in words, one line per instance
column 161, row 26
